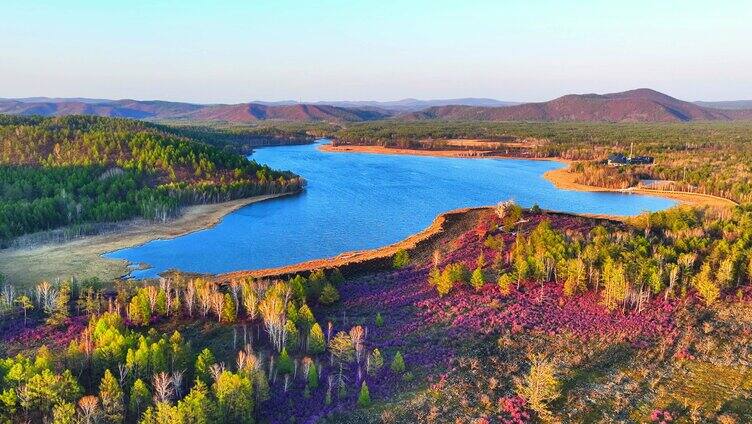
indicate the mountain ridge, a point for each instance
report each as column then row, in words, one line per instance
column 639, row 105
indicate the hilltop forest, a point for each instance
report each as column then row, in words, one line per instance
column 72, row 170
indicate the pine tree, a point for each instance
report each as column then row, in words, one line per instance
column 401, row 259
column 293, row 337
column 316, row 341
column 478, row 279
column 375, row 362
column 540, row 386
column 336, row 277
column 234, row 393
column 313, row 377
column 139, row 399
column 575, row 279
column 305, row 319
column 198, row 406
column 204, row 361
column 398, row 363
column 364, row 397
column 63, row 413
column 284, row 363
column 329, row 295
column 112, row 398
column 229, row 310
column 505, row 284
column 379, row 321
column 706, row 288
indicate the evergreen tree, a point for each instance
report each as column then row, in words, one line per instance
column 112, row 399
column 401, row 259
column 229, row 311
column 198, row 407
column 261, row 385
column 364, row 397
column 336, row 277
column 63, row 413
column 379, row 320
column 329, row 295
column 204, row 361
column 140, row 398
column 313, row 377
column 375, row 362
column 234, row 393
column 540, row 386
column 316, row 340
column 505, row 284
column 398, row 363
column 284, row 363
column 293, row 337
column 706, row 288
column 478, row 279
column 305, row 319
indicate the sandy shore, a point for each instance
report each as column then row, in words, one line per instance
column 82, row 257
column 561, row 178
column 565, row 180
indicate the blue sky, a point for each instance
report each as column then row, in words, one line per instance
column 234, row 51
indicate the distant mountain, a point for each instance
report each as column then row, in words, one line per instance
column 414, row 105
column 641, row 105
column 59, row 100
column 250, row 112
column 153, row 109
column 732, row 104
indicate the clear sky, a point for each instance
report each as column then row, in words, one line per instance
column 235, row 51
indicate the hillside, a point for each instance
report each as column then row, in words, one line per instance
column 505, row 316
column 642, row 105
column 76, row 170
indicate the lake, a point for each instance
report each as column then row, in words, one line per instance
column 356, row 201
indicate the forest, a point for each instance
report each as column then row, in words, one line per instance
column 704, row 157
column 61, row 171
column 512, row 316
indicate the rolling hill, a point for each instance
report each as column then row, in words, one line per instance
column 641, row 105
column 137, row 109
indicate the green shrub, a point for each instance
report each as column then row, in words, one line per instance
column 401, row 259
column 398, row 363
column 329, row 295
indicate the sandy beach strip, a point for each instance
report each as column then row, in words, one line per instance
column 82, row 258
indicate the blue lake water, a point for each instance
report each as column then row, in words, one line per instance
column 357, row 201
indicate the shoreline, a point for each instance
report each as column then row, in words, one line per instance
column 453, row 221
column 83, row 258
column 561, row 178
column 359, row 257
